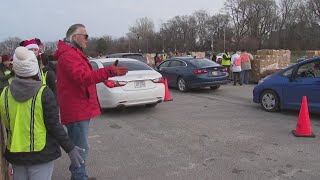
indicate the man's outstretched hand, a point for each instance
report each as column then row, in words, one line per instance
column 118, row 70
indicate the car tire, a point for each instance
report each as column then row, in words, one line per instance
column 270, row 101
column 182, row 85
column 215, row 87
column 151, row 105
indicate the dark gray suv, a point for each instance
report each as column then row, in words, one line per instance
column 137, row 56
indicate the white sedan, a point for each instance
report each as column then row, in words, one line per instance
column 142, row 85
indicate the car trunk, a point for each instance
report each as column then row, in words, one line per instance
column 212, row 71
column 137, row 80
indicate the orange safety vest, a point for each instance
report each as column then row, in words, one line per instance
column 244, row 57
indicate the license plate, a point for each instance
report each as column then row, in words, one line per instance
column 215, row 73
column 139, row 84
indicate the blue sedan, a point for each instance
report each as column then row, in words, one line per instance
column 285, row 89
column 186, row 73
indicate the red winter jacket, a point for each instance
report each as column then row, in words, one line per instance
column 76, row 84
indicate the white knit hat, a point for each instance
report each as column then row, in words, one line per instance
column 25, row 63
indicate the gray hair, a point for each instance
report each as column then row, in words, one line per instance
column 73, row 30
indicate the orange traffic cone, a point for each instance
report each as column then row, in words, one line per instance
column 166, row 91
column 303, row 128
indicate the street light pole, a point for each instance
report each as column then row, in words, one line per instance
column 129, row 46
column 224, row 39
column 212, row 43
column 162, row 43
column 147, row 46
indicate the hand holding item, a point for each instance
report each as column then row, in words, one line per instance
column 119, row 70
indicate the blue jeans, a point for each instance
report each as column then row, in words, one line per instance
column 78, row 133
column 244, row 76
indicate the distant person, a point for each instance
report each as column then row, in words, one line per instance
column 214, row 57
column 76, row 89
column 48, row 74
column 236, row 68
column 316, row 69
column 32, row 45
column 6, row 72
column 170, row 55
column 245, row 67
column 29, row 112
column 157, row 59
column 226, row 61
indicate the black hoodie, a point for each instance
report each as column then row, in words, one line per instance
column 22, row 90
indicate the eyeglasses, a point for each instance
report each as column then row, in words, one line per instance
column 86, row 36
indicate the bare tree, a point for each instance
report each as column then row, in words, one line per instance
column 314, row 6
column 50, row 47
column 142, row 31
column 238, row 11
column 9, row 45
column 202, row 18
column 262, row 19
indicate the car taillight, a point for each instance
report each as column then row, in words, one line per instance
column 200, row 71
column 112, row 84
column 158, row 80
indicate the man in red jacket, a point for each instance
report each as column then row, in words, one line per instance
column 76, row 89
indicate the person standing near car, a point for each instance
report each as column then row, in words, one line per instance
column 157, row 59
column 48, row 74
column 29, row 112
column 214, row 57
column 245, row 67
column 6, row 72
column 76, row 89
column 236, row 68
column 226, row 61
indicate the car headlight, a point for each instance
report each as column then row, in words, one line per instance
column 261, row 81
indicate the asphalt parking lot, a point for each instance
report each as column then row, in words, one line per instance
column 201, row 135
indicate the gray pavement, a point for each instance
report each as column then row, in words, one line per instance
column 200, row 135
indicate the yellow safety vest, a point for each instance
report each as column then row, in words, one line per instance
column 164, row 56
column 44, row 77
column 6, row 72
column 26, row 131
column 227, row 61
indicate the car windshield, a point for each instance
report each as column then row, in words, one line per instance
column 202, row 63
column 287, row 73
column 131, row 65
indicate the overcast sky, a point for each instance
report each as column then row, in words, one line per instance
column 49, row 20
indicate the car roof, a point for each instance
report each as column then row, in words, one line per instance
column 182, row 58
column 121, row 54
column 102, row 60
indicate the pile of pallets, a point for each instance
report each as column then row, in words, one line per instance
column 268, row 61
column 311, row 54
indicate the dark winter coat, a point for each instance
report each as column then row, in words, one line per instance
column 4, row 78
column 51, row 79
